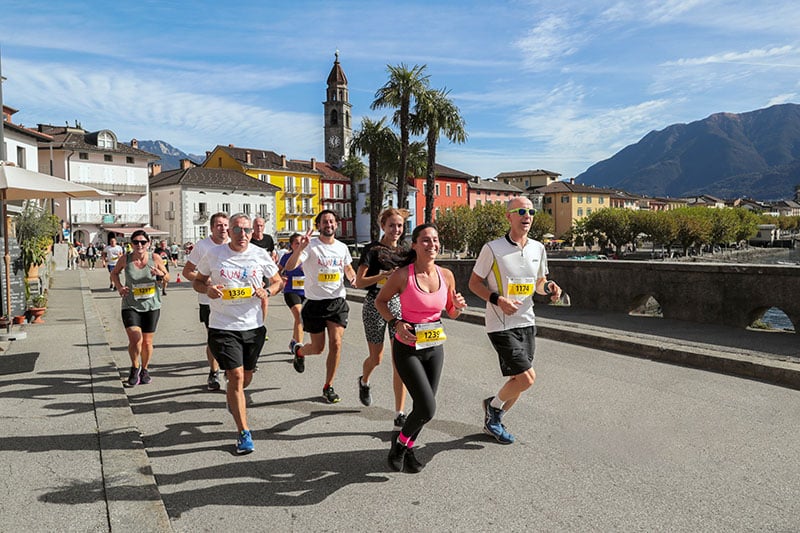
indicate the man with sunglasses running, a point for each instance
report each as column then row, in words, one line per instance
column 232, row 277
column 506, row 274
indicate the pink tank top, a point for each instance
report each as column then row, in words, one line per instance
column 418, row 306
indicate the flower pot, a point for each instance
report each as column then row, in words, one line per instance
column 33, row 272
column 36, row 314
column 18, row 319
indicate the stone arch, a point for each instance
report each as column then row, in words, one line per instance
column 756, row 315
column 645, row 305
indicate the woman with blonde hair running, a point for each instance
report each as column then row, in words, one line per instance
column 378, row 260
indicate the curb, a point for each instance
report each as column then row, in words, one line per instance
column 750, row 365
column 132, row 497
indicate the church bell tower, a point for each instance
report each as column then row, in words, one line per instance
column 338, row 129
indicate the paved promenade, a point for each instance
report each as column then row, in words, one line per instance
column 605, row 441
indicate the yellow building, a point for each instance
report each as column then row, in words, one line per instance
column 567, row 201
column 299, row 199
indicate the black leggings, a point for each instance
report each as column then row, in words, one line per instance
column 420, row 371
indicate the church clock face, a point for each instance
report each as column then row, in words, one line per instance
column 334, row 141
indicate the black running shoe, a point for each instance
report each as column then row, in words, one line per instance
column 364, row 394
column 133, row 377
column 411, row 464
column 329, row 395
column 213, row 380
column 144, row 377
column 400, row 420
column 298, row 362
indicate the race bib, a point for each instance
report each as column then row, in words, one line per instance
column 236, row 294
column 330, row 277
column 298, row 283
column 382, row 282
column 143, row 291
column 521, row 287
column 429, row 334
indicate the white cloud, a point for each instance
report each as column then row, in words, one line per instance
column 749, row 56
column 547, row 42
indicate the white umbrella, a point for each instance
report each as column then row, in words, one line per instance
column 18, row 183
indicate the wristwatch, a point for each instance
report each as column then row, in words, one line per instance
column 269, row 294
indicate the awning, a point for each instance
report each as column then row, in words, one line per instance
column 127, row 231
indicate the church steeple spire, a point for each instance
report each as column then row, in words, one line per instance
column 338, row 130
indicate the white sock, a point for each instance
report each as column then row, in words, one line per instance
column 363, row 384
column 399, row 413
column 497, row 403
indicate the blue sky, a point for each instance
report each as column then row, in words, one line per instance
column 541, row 84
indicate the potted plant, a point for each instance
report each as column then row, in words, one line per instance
column 35, row 229
column 37, row 307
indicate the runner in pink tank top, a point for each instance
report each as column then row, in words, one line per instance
column 418, row 347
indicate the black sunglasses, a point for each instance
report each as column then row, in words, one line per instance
column 140, row 243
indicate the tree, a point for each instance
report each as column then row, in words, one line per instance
column 404, row 84
column 455, row 227
column 490, row 223
column 614, row 224
column 374, row 140
column 353, row 168
column 435, row 114
column 541, row 224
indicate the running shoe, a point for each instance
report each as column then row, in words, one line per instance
column 400, row 420
column 292, row 344
column 244, row 443
column 411, row 464
column 363, row 393
column 133, row 377
column 298, row 361
column 144, row 377
column 493, row 423
column 329, row 395
column 213, row 380
column 397, row 454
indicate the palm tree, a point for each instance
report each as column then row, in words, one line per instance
column 436, row 114
column 374, row 140
column 353, row 168
column 403, row 85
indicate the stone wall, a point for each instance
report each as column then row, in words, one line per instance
column 726, row 294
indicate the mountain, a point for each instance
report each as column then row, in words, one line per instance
column 170, row 156
column 754, row 154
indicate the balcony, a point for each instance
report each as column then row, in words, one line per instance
column 291, row 190
column 93, row 218
column 117, row 188
column 307, row 191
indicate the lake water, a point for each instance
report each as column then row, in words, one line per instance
column 774, row 317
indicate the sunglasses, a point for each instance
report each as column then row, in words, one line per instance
column 140, row 243
column 523, row 211
column 238, row 231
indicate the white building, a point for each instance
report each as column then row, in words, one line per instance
column 99, row 160
column 184, row 200
column 389, row 200
column 21, row 143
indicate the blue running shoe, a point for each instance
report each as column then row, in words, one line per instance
column 244, row 444
column 493, row 423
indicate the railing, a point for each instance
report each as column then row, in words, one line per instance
column 120, row 188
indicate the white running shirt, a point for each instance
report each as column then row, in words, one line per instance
column 200, row 249
column 323, row 265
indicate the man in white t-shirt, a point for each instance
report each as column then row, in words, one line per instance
column 506, row 274
column 111, row 255
column 218, row 237
column 326, row 264
column 232, row 277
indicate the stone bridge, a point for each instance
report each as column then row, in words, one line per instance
column 716, row 293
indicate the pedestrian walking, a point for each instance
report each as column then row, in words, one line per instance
column 506, row 274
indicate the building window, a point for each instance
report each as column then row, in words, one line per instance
column 226, row 208
column 262, row 210
column 436, row 190
column 548, row 200
column 105, row 140
column 201, row 207
column 108, row 206
column 600, row 200
column 424, row 188
column 458, row 190
column 580, row 211
column 263, row 177
column 447, row 189
column 202, row 232
column 306, row 185
column 129, row 160
column 580, row 199
column 290, row 224
column 83, row 155
column 288, row 184
column 21, row 156
column 588, row 211
column 155, row 208
column 246, row 209
column 477, row 203
column 290, row 206
column 588, row 199
column 565, row 199
column 108, row 157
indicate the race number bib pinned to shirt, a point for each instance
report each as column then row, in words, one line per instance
column 298, row 283
column 236, row 294
column 429, row 334
column 329, row 277
column 143, row 291
column 521, row 287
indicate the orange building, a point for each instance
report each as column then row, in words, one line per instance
column 451, row 189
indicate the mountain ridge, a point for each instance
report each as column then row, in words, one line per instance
column 170, row 156
column 754, row 154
